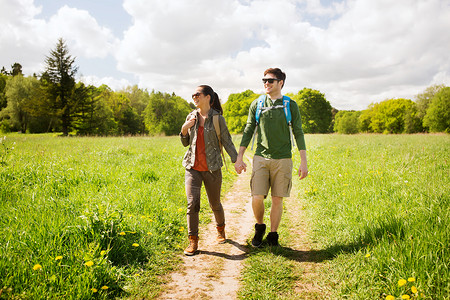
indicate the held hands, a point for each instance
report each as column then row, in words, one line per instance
column 240, row 166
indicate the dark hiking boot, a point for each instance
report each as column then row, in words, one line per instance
column 260, row 229
column 272, row 239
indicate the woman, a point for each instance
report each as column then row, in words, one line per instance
column 203, row 162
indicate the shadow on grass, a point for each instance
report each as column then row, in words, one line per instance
column 390, row 228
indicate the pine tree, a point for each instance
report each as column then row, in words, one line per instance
column 60, row 72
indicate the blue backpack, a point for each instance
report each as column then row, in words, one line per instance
column 287, row 112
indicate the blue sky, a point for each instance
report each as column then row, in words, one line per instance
column 356, row 52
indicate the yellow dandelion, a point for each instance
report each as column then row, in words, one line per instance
column 181, row 228
column 390, row 297
column 135, row 245
column 180, row 209
column 37, row 267
column 149, row 233
column 411, row 279
column 401, row 282
column 94, row 290
column 59, row 257
column 367, row 255
column 89, row 263
column 103, row 252
column 105, row 287
column 414, row 290
column 137, row 275
column 405, row 297
column 122, row 233
column 164, row 209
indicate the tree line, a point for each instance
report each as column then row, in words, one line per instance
column 55, row 102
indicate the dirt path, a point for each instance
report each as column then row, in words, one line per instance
column 214, row 273
column 308, row 260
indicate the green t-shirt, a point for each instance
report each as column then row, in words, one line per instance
column 273, row 137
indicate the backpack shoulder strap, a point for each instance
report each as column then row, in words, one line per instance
column 217, row 128
column 287, row 109
column 259, row 106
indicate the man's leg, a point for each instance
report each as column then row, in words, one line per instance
column 258, row 208
column 275, row 213
column 260, row 227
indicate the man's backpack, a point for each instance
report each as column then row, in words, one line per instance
column 287, row 112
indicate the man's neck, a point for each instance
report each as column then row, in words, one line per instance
column 276, row 96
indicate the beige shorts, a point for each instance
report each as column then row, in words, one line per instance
column 275, row 174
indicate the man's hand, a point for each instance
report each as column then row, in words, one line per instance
column 240, row 166
column 303, row 169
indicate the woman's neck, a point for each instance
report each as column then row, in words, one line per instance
column 204, row 111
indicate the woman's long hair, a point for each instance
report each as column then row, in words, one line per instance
column 215, row 101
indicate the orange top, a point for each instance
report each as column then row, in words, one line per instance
column 200, row 154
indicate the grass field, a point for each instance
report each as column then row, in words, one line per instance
column 104, row 217
column 379, row 213
column 84, row 217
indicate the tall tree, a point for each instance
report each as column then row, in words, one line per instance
column 346, row 122
column 438, row 112
column 61, row 72
column 138, row 100
column 3, row 79
column 387, row 116
column 235, row 110
column 20, row 92
column 165, row 113
column 423, row 100
column 315, row 110
column 16, row 69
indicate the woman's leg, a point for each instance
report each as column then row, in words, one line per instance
column 193, row 185
column 213, row 185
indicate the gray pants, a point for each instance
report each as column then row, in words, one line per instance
column 213, row 182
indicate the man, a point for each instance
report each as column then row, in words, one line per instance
column 272, row 162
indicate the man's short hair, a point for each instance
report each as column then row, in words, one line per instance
column 278, row 74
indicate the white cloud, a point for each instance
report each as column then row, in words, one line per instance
column 113, row 83
column 27, row 39
column 354, row 51
column 370, row 50
column 84, row 35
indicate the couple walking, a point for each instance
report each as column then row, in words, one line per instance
column 272, row 161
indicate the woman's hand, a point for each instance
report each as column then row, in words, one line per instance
column 187, row 125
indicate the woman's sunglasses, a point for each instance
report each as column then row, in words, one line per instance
column 196, row 95
column 270, row 80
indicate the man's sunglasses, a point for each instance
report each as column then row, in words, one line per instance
column 196, row 95
column 269, row 80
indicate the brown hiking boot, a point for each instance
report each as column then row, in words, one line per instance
column 221, row 234
column 193, row 245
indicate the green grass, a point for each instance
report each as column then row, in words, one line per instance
column 378, row 212
column 379, row 204
column 116, row 203
column 377, row 209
